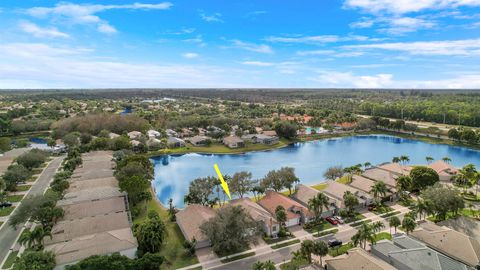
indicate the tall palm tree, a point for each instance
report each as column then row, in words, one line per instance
column 447, row 160
column 429, row 159
column 394, row 222
column 320, row 248
column 379, row 189
column 268, row 265
column 307, row 248
column 367, row 165
column 404, row 183
column 395, row 160
column 404, row 159
column 366, row 233
column 408, row 224
column 422, row 208
column 317, row 203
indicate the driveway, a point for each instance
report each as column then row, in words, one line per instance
column 8, row 235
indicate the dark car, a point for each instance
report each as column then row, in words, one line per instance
column 331, row 220
column 5, row 204
column 334, row 243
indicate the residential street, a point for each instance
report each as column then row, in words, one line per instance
column 8, row 235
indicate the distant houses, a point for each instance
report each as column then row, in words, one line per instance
column 357, row 258
column 233, row 142
column 261, row 138
column 199, row 140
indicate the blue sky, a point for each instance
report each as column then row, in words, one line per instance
column 211, row 43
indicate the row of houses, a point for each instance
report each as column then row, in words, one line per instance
column 428, row 247
column 96, row 217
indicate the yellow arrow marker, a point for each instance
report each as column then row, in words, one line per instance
column 224, row 184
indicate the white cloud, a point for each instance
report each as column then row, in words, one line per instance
column 41, row 32
column 364, row 22
column 260, row 48
column 257, row 63
column 216, row 17
column 466, row 47
column 331, row 53
column 403, row 25
column 190, row 55
column 196, row 40
column 86, row 13
column 321, row 39
column 406, row 6
column 347, row 79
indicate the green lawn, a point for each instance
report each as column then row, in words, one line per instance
column 357, row 217
column 464, row 212
column 6, row 211
column 294, row 264
column 383, row 236
column 10, row 260
column 390, row 214
column 172, row 248
column 382, row 209
column 14, row 198
column 23, row 188
column 32, row 179
column 289, row 243
column 320, row 234
column 270, row 241
column 321, row 226
column 344, row 180
column 360, row 222
column 238, row 257
column 320, row 187
column 334, row 252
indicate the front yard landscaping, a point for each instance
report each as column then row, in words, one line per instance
column 337, row 251
column 354, row 218
column 382, row 209
column 6, row 211
column 284, row 244
column 294, row 264
column 23, row 187
column 270, row 240
column 14, row 198
column 10, row 260
column 320, row 234
column 238, row 257
column 319, row 226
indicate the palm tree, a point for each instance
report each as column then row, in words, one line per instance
column 447, row 160
column 395, row 160
column 366, row 233
column 306, row 249
column 408, row 224
column 257, row 191
column 281, row 215
column 34, row 239
column 429, row 159
column 404, row 183
column 394, row 222
column 367, row 165
column 379, row 189
column 268, row 265
column 317, row 203
column 422, row 208
column 404, row 159
column 320, row 248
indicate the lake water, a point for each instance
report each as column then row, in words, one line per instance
column 173, row 173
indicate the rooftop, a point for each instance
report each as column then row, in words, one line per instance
column 254, row 210
column 358, row 259
column 191, row 218
column 273, row 199
column 93, row 208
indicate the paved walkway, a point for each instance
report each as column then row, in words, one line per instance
column 8, row 235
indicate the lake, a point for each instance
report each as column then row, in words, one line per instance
column 173, row 173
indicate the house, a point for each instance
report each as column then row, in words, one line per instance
column 135, row 143
column 304, row 193
column 405, row 253
column 387, row 177
column 456, row 245
column 296, row 212
column 175, row 142
column 337, row 190
column 445, row 171
column 199, row 140
column 271, row 133
column 261, row 138
column 233, row 142
column 357, row 259
column 133, row 135
column 186, row 133
column 190, row 219
column 259, row 214
column 365, row 185
column 396, row 168
column 154, row 142
column 153, row 133
column 112, row 135
column 171, row 133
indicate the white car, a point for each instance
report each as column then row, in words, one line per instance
column 339, row 219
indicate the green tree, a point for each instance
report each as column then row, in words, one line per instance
column 114, row 261
column 442, row 200
column 281, row 215
column 350, row 201
column 408, row 224
column 134, row 186
column 379, row 189
column 288, row 177
column 71, row 139
column 333, row 173
column 423, row 177
column 200, row 190
column 34, row 239
column 429, row 159
column 320, row 248
column 237, row 224
column 5, row 144
column 32, row 159
column 268, row 265
column 394, row 222
column 366, row 233
column 447, row 159
column 35, row 260
column 286, row 129
column 241, row 183
column 151, row 233
column 317, row 203
column 14, row 175
column 307, row 249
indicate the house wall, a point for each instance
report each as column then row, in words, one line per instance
column 292, row 222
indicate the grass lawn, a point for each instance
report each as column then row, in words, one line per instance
column 321, row 226
column 464, row 212
column 270, row 241
column 14, row 198
column 320, row 234
column 383, row 236
column 321, row 186
column 357, row 217
column 10, row 260
column 32, row 179
column 6, row 211
column 344, row 180
column 334, row 252
column 289, row 243
column 238, row 257
column 23, row 188
column 172, row 248
column 382, row 209
column 390, row 214
column 294, row 264
column 360, row 222
column 471, row 197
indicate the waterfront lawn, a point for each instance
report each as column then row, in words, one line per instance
column 10, row 260
column 6, row 211
column 334, row 252
column 172, row 248
column 14, row 198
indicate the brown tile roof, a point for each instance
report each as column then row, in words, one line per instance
column 94, row 244
column 337, row 190
column 362, row 183
column 92, row 183
column 273, row 199
column 93, row 208
column 269, row 132
column 232, row 139
column 358, row 259
column 254, row 210
column 191, row 218
column 377, row 174
column 441, row 166
column 304, row 193
column 90, row 195
column 449, row 242
column 396, row 168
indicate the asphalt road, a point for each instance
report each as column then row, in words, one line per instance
column 8, row 235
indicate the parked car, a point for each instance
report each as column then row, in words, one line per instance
column 338, row 219
column 334, row 243
column 5, row 204
column 331, row 220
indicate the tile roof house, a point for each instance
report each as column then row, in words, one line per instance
column 233, row 142
column 134, row 135
column 296, row 212
column 445, row 171
column 271, row 133
column 304, row 193
column 396, row 168
column 454, row 244
column 270, row 224
column 94, row 208
column 199, row 140
column 191, row 218
column 357, row 259
column 364, row 184
column 261, row 138
column 175, row 142
column 406, row 253
column 377, row 174
column 337, row 190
